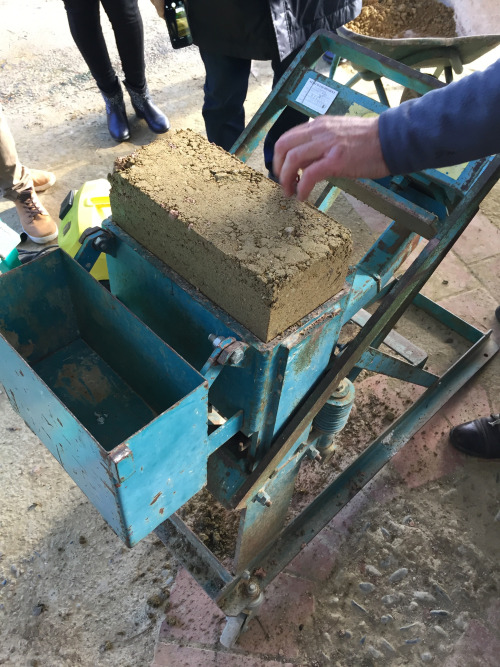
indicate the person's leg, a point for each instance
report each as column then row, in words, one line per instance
column 14, row 178
column 288, row 119
column 85, row 26
column 226, row 85
column 17, row 186
column 126, row 22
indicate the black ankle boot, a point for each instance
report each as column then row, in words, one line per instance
column 480, row 437
column 144, row 108
column 116, row 115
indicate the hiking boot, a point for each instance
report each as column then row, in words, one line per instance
column 480, row 437
column 35, row 220
column 144, row 108
column 42, row 180
column 116, row 114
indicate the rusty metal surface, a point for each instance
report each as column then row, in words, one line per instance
column 260, row 522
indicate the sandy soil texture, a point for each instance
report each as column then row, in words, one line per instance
column 413, row 586
column 395, row 18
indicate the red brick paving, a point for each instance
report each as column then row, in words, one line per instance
column 194, row 617
column 428, row 455
column 478, row 647
column 480, row 240
column 288, row 606
column 451, row 277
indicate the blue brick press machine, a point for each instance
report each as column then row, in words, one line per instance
column 123, row 386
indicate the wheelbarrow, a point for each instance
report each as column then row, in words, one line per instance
column 447, row 55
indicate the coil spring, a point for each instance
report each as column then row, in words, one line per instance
column 334, row 414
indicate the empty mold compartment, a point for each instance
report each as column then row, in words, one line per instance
column 122, row 412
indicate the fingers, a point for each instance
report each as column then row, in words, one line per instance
column 160, row 7
column 317, row 171
column 329, row 147
column 294, row 137
column 296, row 159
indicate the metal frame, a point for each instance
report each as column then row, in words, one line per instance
column 441, row 214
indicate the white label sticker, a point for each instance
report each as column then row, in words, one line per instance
column 316, row 96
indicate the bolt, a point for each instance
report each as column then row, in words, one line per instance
column 215, row 339
column 236, row 356
column 313, row 453
column 245, row 575
column 263, row 498
column 252, row 588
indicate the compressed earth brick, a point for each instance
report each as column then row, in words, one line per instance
column 267, row 260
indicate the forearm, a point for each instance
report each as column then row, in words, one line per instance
column 455, row 124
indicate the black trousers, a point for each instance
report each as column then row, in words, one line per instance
column 85, row 25
column 226, row 86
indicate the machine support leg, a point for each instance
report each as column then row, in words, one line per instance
column 325, row 506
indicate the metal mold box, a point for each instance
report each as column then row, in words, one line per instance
column 123, row 413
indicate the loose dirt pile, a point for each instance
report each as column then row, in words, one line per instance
column 404, row 18
column 216, row 527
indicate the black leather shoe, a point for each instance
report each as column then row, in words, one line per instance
column 116, row 115
column 144, row 108
column 480, row 437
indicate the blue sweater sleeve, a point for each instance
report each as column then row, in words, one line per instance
column 447, row 126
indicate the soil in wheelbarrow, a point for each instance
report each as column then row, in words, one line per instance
column 404, row 18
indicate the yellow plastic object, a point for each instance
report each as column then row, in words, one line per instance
column 90, row 207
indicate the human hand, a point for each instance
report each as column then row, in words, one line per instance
column 160, row 7
column 328, row 147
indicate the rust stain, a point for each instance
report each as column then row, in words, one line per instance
column 110, row 488
column 162, row 509
column 155, row 498
column 84, row 381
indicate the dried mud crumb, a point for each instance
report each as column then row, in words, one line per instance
column 155, row 601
